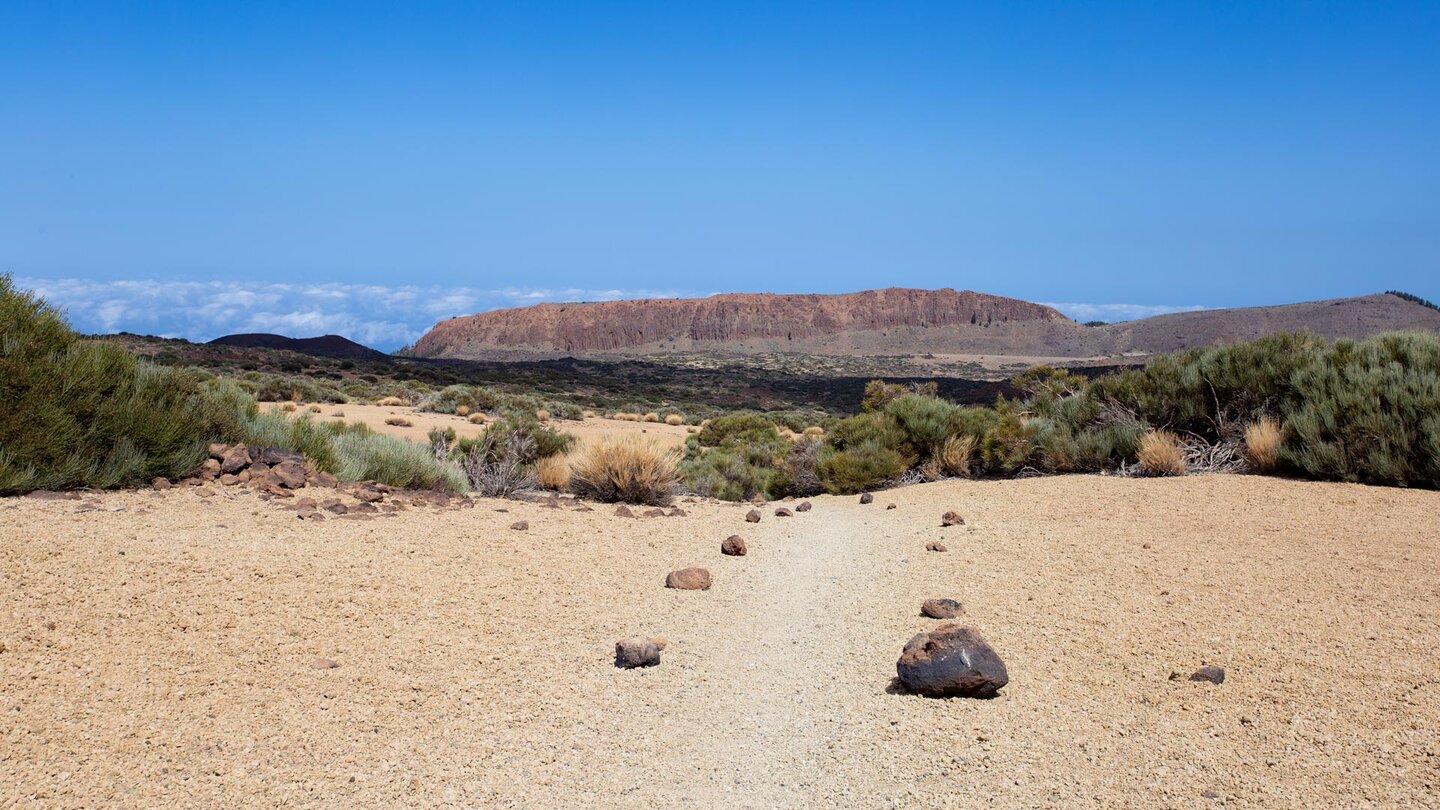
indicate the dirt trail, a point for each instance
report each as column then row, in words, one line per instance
column 163, row 654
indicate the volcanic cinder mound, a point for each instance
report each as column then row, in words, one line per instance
column 336, row 346
column 882, row 322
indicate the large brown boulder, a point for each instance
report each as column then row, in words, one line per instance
column 688, row 579
column 733, row 546
column 636, row 652
column 951, row 661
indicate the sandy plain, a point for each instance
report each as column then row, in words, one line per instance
column 160, row 648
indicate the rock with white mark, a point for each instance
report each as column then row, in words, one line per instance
column 951, row 661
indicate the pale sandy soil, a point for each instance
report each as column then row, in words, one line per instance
column 165, row 657
column 422, row 422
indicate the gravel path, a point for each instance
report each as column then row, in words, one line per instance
column 164, row 653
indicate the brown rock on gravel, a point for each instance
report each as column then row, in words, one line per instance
column 1215, row 675
column 952, row 519
column 631, row 653
column 289, row 474
column 935, row 547
column 733, row 546
column 783, row 512
column 803, row 506
column 654, row 513
column 324, row 663
column 159, row 483
column 753, row 516
column 235, row 459
column 951, row 661
column 866, row 497
column 890, row 506
column 941, row 608
column 623, row 511
column 688, row 579
column 521, row 526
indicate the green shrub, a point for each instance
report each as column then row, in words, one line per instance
column 393, row 461
column 1369, row 411
column 860, row 467
column 798, row 472
column 725, row 474
column 869, row 428
column 926, row 421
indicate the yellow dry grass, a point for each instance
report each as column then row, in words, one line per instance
column 478, row 418
column 954, row 455
column 553, row 472
column 1262, row 443
column 674, row 419
column 390, row 402
column 1161, row 453
column 630, row 469
column 398, row 421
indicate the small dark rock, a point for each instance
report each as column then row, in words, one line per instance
column 733, row 546
column 890, row 506
column 520, row 526
column 866, row 497
column 952, row 518
column 1215, row 675
column 753, row 516
column 688, row 579
column 783, row 512
column 935, row 547
column 636, row 652
column 623, row 511
column 654, row 513
column 803, row 506
column 323, row 663
column 941, row 608
column 159, row 483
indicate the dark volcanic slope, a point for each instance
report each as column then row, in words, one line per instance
column 324, row 346
column 885, row 322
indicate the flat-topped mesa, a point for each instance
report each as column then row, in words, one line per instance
column 720, row 319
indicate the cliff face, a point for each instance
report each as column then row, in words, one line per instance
column 721, row 319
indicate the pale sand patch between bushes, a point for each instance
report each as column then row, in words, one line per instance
column 168, row 658
column 422, row 422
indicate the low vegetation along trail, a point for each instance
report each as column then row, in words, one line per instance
column 167, row 648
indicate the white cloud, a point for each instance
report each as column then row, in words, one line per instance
column 1111, row 313
column 379, row 316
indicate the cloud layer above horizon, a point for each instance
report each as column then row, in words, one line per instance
column 383, row 317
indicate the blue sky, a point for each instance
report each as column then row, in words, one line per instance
column 196, row 168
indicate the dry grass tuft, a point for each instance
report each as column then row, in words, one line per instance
column 553, row 472
column 1262, row 443
column 954, row 455
column 622, row 416
column 815, row 431
column 399, row 421
column 631, row 470
column 288, row 407
column 1161, row 453
column 478, row 418
column 651, row 417
column 314, row 409
column 390, row 402
column 674, row 419
column 587, row 414
column 542, row 415
column 462, row 410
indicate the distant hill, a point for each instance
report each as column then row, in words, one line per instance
column 885, row 322
column 334, row 346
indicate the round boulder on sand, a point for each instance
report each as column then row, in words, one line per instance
column 803, row 506
column 636, row 652
column 951, row 661
column 935, row 547
column 866, row 497
column 941, row 608
column 1215, row 675
column 688, row 579
column 733, row 546
column 753, row 516
column 783, row 512
column 952, row 518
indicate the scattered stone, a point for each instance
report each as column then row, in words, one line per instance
column 217, row 451
column 228, row 480
column 941, row 608
column 890, row 506
column 334, row 507
column 209, row 471
column 364, row 508
column 205, row 492
column 306, row 503
column 289, row 474
column 803, row 506
column 1144, row 545
column 935, row 547
column 1215, row 675
column 583, row 508
column 623, row 511
column 324, row 479
column 866, row 497
column 235, row 459
column 783, row 512
column 310, row 513
column 678, row 512
column 323, row 663
column 192, row 482
column 951, row 661
column 688, row 579
column 636, row 652
column 952, row 518
column 369, row 494
column 654, row 513
column 753, row 516
column 758, row 500
column 159, row 483
column 733, row 546
column 520, row 526
column 274, row 455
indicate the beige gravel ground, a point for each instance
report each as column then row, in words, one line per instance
column 165, row 658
